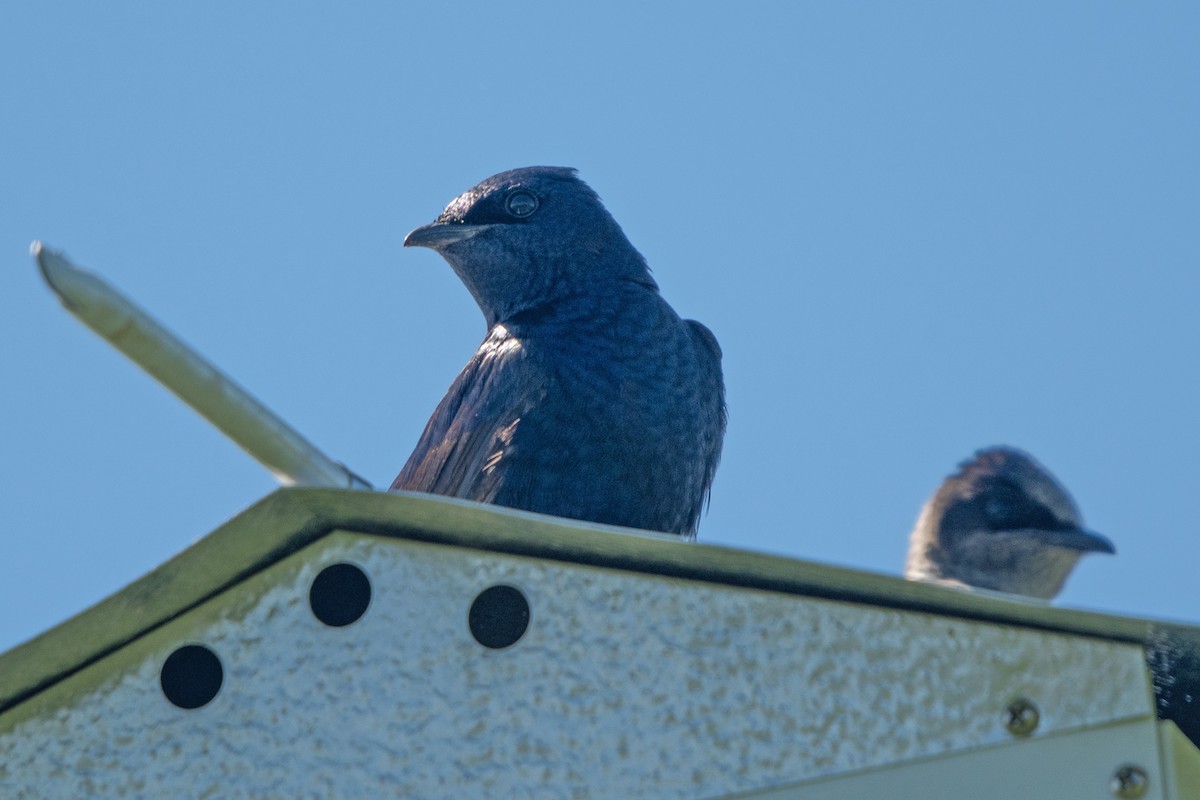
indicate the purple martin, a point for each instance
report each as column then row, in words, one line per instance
column 1001, row 522
column 589, row 398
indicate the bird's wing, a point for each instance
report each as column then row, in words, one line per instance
column 713, row 386
column 460, row 451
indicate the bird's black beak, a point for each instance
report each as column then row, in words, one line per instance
column 1076, row 539
column 437, row 235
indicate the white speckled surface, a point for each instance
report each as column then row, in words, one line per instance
column 625, row 685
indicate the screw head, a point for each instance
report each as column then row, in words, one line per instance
column 1021, row 717
column 1129, row 781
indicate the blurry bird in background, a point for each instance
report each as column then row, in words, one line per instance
column 1003, row 523
column 589, row 398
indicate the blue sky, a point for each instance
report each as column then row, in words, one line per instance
column 917, row 229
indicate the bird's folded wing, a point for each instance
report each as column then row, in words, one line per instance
column 714, row 433
column 461, row 451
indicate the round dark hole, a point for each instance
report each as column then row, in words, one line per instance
column 340, row 594
column 191, row 676
column 499, row 616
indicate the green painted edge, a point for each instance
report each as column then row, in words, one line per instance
column 1181, row 760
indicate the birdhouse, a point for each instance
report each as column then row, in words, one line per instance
column 340, row 643
column 336, row 642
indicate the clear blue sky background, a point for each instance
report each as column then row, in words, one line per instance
column 917, row 229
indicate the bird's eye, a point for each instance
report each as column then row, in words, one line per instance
column 999, row 511
column 521, row 204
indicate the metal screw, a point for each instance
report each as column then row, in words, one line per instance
column 1129, row 782
column 1021, row 717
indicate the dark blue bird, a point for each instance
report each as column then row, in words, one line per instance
column 589, row 398
column 1003, row 523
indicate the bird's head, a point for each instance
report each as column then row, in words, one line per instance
column 528, row 237
column 1001, row 522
